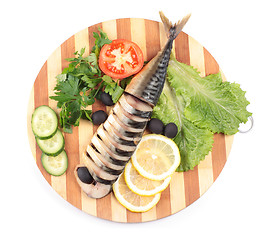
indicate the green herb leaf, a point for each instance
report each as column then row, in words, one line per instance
column 86, row 114
column 101, row 39
column 80, row 84
column 118, row 91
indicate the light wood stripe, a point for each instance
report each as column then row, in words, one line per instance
column 119, row 213
column 177, row 184
column 81, row 41
column 53, row 69
column 196, row 56
column 205, row 174
column 228, row 138
column 162, row 36
column 228, row 143
column 149, row 215
column 177, row 192
column 138, row 34
column 109, row 27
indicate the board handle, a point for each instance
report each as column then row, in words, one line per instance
column 250, row 118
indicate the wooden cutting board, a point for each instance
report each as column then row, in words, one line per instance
column 185, row 188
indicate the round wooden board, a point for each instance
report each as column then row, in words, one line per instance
column 185, row 188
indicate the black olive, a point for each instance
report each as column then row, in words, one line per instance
column 171, row 130
column 156, row 126
column 99, row 117
column 106, row 99
column 84, row 175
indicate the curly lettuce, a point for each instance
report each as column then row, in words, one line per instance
column 200, row 106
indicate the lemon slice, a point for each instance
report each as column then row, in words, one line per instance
column 141, row 185
column 132, row 201
column 156, row 157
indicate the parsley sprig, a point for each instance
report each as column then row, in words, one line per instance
column 80, row 83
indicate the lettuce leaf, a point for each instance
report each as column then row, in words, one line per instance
column 194, row 142
column 200, row 106
column 211, row 103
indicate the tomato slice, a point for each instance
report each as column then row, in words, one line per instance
column 120, row 59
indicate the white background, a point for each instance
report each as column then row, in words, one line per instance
column 234, row 32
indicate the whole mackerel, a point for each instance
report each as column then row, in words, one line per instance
column 148, row 84
column 115, row 141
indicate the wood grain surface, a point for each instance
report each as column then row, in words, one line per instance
column 185, row 188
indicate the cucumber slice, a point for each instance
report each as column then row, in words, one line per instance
column 57, row 165
column 52, row 146
column 44, row 122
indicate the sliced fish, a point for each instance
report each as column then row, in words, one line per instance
column 113, row 146
column 120, row 146
column 116, row 139
column 114, row 118
column 119, row 109
column 106, row 152
column 96, row 172
column 119, row 136
column 132, row 107
column 94, row 189
column 128, row 121
column 102, row 163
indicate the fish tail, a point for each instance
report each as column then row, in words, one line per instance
column 172, row 30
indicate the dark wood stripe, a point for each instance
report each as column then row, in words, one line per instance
column 153, row 46
column 191, row 179
column 41, row 98
column 152, row 39
column 182, row 48
column 218, row 151
column 133, row 217
column 71, row 140
column 91, row 39
column 98, row 105
column 191, row 185
column 103, row 205
column 211, row 66
column 162, row 208
column 123, row 28
column 218, row 154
